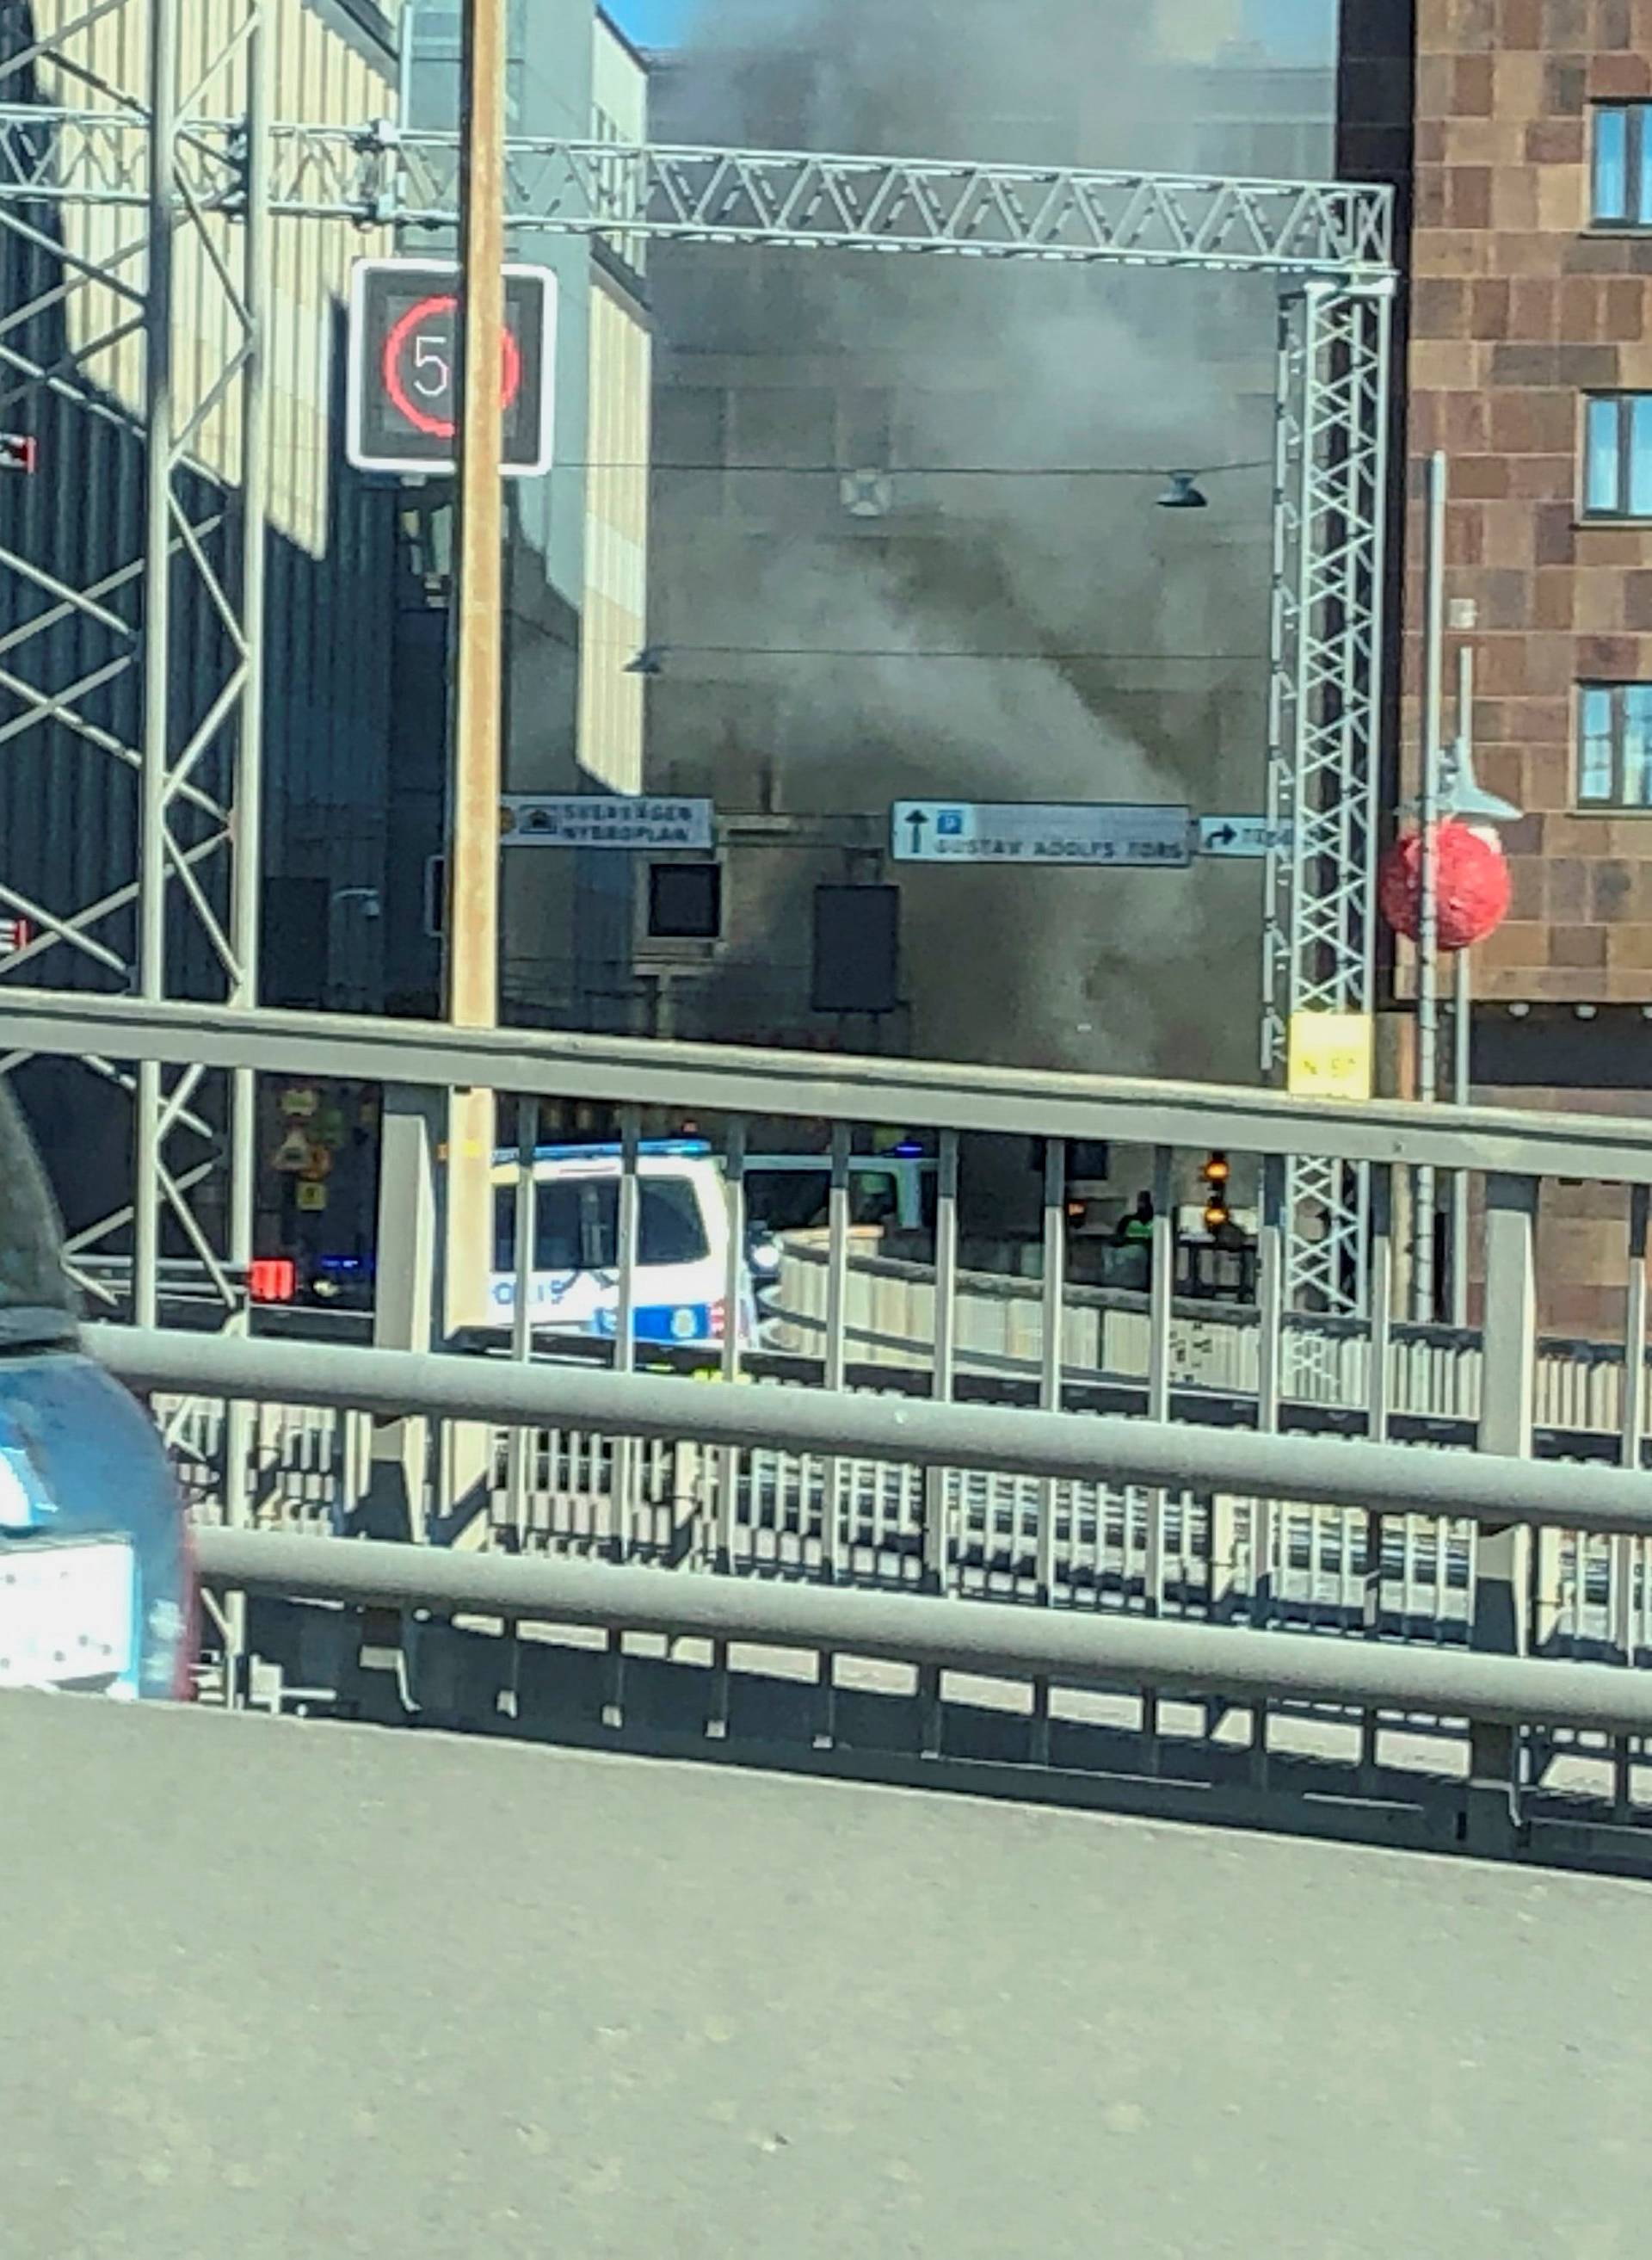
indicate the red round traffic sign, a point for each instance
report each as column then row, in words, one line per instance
column 395, row 385
column 1472, row 881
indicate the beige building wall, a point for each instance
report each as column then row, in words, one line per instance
column 611, row 702
column 616, row 539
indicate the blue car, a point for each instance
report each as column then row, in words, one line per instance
column 97, row 1588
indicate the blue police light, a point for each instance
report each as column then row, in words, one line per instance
column 678, row 1148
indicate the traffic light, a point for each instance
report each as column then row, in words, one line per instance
column 1218, row 1175
column 402, row 380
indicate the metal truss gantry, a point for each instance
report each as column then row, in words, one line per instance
column 95, row 338
column 1324, row 756
column 170, row 160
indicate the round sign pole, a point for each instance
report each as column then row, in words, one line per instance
column 1422, row 1264
column 1463, row 1025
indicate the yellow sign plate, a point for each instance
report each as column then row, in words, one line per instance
column 1331, row 1056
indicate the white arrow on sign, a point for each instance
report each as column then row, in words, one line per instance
column 1244, row 837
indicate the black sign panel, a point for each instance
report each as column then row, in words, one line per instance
column 404, row 368
column 685, row 902
column 857, row 950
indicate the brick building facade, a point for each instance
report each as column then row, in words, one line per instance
column 1520, row 135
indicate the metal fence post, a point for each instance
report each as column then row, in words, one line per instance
column 938, row 1537
column 938, row 1482
column 1502, row 1577
column 403, row 1300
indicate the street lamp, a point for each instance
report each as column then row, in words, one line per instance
column 1451, row 794
column 1184, row 492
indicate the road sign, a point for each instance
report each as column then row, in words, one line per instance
column 549, row 820
column 403, row 375
column 1244, row 837
column 1113, row 834
column 1331, row 1056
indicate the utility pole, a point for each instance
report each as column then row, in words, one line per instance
column 1422, row 1243
column 473, row 921
column 1462, row 1015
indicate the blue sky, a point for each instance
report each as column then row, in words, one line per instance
column 651, row 23
column 1299, row 29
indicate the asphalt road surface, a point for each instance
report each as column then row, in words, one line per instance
column 274, row 1991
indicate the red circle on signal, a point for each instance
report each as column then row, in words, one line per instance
column 440, row 428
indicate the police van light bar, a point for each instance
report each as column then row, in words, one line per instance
column 678, row 1148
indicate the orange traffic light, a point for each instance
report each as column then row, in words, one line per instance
column 1217, row 1174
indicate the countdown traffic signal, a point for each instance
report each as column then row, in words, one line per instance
column 1218, row 1175
column 403, row 378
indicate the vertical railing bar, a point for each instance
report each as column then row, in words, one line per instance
column 1634, row 1395
column 937, row 1534
column 1624, row 1549
column 1378, row 1407
column 836, row 1338
column 626, row 1233
column 525, row 1219
column 737, row 1309
column 1500, row 1604
column 1269, row 1358
column 1161, row 1313
column 937, row 1485
column 1271, row 1347
column 836, row 1370
column 1051, row 1345
column 623, row 1461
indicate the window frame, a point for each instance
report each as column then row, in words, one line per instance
column 1636, row 216
column 1621, row 509
column 1616, row 802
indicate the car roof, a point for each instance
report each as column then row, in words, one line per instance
column 599, row 1164
column 686, row 1148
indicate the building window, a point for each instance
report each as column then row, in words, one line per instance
column 1614, row 745
column 1618, row 456
column 1623, row 165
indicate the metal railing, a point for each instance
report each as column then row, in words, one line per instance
column 1434, row 1371
column 1186, row 1511
column 1508, row 1700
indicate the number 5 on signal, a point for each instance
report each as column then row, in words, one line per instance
column 402, row 367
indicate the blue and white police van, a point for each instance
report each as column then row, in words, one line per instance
column 680, row 1286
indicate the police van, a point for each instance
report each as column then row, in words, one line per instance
column 681, row 1284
